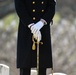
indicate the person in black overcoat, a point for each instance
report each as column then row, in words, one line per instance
column 35, row 17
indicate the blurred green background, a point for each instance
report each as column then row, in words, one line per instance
column 63, row 33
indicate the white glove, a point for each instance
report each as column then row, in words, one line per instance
column 29, row 26
column 38, row 36
column 36, row 27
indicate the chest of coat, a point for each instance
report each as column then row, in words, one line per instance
column 35, row 6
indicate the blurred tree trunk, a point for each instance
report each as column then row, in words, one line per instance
column 6, row 7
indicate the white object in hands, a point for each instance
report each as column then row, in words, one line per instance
column 38, row 36
column 36, row 27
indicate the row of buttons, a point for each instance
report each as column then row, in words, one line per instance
column 34, row 2
column 35, row 10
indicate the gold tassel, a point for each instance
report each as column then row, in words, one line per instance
column 33, row 46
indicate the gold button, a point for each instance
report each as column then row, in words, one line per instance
column 42, row 10
column 33, row 2
column 42, row 2
column 34, row 18
column 33, row 10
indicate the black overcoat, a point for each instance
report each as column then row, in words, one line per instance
column 31, row 11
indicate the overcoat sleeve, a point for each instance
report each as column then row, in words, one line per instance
column 22, row 12
column 50, row 11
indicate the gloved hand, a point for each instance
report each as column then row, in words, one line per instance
column 29, row 26
column 36, row 27
column 37, row 36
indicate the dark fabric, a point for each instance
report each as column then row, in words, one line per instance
column 42, row 71
column 26, row 57
column 27, row 71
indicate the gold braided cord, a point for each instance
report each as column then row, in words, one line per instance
column 34, row 48
column 37, row 58
column 52, row 71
